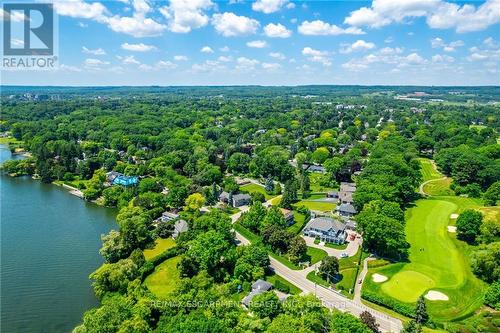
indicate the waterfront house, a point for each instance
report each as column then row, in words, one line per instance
column 116, row 178
column 167, row 216
column 326, row 229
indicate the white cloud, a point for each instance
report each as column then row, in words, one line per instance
column 225, row 59
column 447, row 47
column 440, row 58
column 137, row 26
column 69, row 68
column 80, row 9
column 387, row 56
column 224, row 49
column 277, row 31
column 230, row 25
column 141, row 47
column 15, row 16
column 245, row 64
column 98, row 51
column 95, row 64
column 277, row 55
column 206, row 49
column 165, row 64
column 313, row 55
column 488, row 53
column 269, row 6
column 271, row 66
column 186, row 15
column 180, row 58
column 129, row 60
column 439, row 14
column 320, row 28
column 359, row 45
column 258, row 44
column 208, row 66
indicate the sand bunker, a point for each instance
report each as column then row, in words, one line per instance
column 433, row 295
column 452, row 228
column 453, row 216
column 378, row 278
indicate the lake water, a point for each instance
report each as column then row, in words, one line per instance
column 50, row 244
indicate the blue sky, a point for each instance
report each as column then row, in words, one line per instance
column 273, row 42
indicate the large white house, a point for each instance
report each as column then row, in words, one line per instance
column 326, row 229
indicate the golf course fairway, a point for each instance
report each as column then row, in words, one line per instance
column 437, row 261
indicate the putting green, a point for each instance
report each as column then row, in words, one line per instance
column 437, row 261
column 407, row 286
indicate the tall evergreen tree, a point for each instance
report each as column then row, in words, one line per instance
column 421, row 315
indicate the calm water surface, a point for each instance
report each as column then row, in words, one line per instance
column 50, row 243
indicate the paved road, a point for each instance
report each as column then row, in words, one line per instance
column 330, row 298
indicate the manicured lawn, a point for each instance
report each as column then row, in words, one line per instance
column 313, row 196
column 161, row 245
column 315, row 254
column 294, row 290
column 440, row 187
column 300, row 221
column 252, row 188
column 427, row 170
column 253, row 238
column 322, row 206
column 285, row 261
column 311, row 276
column 437, row 261
column 165, row 278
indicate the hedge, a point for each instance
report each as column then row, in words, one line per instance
column 404, row 309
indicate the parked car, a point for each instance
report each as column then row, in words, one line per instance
column 344, row 255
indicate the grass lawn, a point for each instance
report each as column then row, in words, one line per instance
column 161, row 245
column 300, row 221
column 311, row 276
column 253, row 238
column 252, row 188
column 315, row 254
column 439, row 187
column 322, row 206
column 437, row 261
column 294, row 290
column 427, row 170
column 337, row 246
column 313, row 196
column 165, row 278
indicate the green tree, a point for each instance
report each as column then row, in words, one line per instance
column 485, row 262
column 275, row 217
column 412, row 327
column 421, row 315
column 194, row 202
column 297, row 249
column 469, row 225
column 239, row 162
column 265, row 305
column 492, row 194
column 329, row 268
column 492, row 296
column 289, row 194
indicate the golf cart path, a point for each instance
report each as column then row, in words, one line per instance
column 362, row 275
column 421, row 187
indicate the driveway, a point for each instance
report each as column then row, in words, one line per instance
column 351, row 250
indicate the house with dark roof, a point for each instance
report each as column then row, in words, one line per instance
column 258, row 287
column 346, row 210
column 326, row 229
column 241, row 199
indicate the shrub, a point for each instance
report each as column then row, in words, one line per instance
column 281, row 287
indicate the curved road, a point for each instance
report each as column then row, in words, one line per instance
column 329, row 298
